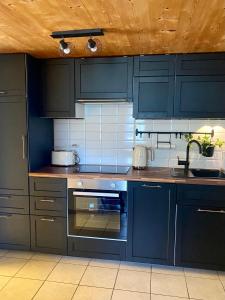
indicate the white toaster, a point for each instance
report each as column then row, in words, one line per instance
column 64, row 158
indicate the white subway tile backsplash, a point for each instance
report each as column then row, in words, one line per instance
column 107, row 136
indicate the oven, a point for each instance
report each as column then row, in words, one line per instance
column 97, row 209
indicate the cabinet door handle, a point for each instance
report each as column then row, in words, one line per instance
column 5, row 216
column 23, row 146
column 211, row 211
column 4, row 197
column 47, row 220
column 151, row 186
column 47, row 200
column 3, row 92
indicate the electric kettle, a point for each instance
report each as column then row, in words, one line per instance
column 139, row 157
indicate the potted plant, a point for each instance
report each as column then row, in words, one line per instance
column 208, row 146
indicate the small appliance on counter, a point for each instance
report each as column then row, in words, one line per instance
column 139, row 157
column 65, row 158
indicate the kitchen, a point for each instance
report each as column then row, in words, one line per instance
column 112, row 150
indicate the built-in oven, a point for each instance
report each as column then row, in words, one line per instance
column 97, row 209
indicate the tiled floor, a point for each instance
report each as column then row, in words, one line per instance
column 27, row 275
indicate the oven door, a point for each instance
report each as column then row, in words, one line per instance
column 97, row 214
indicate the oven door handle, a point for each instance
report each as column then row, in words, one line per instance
column 93, row 194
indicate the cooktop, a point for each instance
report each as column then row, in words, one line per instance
column 101, row 169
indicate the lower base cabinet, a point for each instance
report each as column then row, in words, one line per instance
column 151, row 222
column 14, row 231
column 49, row 234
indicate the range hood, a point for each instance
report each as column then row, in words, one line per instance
column 103, row 101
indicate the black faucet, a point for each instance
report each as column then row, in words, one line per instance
column 186, row 162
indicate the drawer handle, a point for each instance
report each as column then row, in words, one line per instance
column 4, row 197
column 47, row 220
column 151, row 186
column 5, row 216
column 3, row 92
column 47, row 200
column 211, row 211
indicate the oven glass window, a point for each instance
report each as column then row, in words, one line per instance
column 103, row 217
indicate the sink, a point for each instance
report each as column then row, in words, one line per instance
column 196, row 173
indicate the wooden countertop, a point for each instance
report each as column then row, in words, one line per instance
column 150, row 174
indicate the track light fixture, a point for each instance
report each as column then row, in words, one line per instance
column 92, row 45
column 64, row 47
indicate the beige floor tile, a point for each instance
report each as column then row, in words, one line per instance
column 114, row 264
column 36, row 269
column 222, row 277
column 126, row 295
column 99, row 277
column 75, row 260
column 169, row 270
column 19, row 254
column 67, row 273
column 133, row 281
column 169, row 285
column 20, row 289
column 9, row 266
column 55, row 291
column 161, row 297
column 46, row 257
column 207, row 289
column 92, row 293
column 201, row 273
column 3, row 281
column 134, row 266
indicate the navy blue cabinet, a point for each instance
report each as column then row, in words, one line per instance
column 153, row 97
column 104, row 78
column 200, row 227
column 200, row 96
column 154, row 65
column 200, row 64
column 58, row 88
column 151, row 217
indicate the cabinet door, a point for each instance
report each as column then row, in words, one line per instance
column 48, row 234
column 104, row 78
column 58, row 88
column 14, row 231
column 52, row 187
column 200, row 64
column 151, row 222
column 12, row 76
column 153, row 97
column 13, row 149
column 50, row 206
column 200, row 96
column 200, row 236
column 154, row 65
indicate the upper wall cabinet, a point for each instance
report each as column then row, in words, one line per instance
column 200, row 96
column 104, row 78
column 200, row 64
column 58, row 88
column 154, row 65
column 12, row 77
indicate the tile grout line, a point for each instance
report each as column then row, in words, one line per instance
column 185, row 278
column 113, row 289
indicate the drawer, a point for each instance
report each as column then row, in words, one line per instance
column 96, row 248
column 15, row 231
column 212, row 195
column 14, row 204
column 51, row 206
column 53, row 187
column 48, row 234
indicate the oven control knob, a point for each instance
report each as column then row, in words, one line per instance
column 113, row 185
column 79, row 184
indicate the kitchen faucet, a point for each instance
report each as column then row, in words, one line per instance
column 186, row 162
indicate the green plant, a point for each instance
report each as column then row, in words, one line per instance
column 206, row 141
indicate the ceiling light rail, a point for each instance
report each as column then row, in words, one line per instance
column 176, row 133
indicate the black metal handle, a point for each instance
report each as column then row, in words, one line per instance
column 151, row 186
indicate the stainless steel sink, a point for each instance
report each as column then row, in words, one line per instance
column 196, row 173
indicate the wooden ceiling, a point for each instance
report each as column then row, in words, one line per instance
column 131, row 26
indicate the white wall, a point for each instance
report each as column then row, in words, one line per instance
column 107, row 136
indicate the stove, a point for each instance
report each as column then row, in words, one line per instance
column 101, row 169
